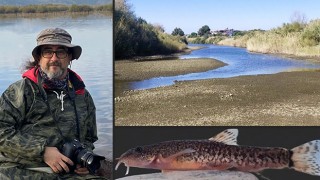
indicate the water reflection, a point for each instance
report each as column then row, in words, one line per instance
column 93, row 33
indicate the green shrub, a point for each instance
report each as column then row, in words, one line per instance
column 311, row 34
column 288, row 28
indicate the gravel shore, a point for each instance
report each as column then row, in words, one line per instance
column 283, row 99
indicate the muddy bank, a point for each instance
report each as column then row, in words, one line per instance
column 283, row 99
column 130, row 70
column 135, row 71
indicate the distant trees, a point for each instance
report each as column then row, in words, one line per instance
column 204, row 30
column 177, row 31
column 193, row 35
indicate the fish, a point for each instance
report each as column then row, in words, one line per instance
column 221, row 152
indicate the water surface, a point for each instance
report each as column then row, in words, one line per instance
column 240, row 62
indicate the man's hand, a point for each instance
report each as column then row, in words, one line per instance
column 57, row 161
column 81, row 170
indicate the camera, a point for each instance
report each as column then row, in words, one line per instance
column 77, row 152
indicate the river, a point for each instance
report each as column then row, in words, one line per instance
column 240, row 62
column 93, row 33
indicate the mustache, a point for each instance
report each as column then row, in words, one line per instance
column 54, row 64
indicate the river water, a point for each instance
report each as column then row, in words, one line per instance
column 93, row 33
column 240, row 62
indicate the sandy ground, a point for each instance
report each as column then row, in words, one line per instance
column 283, row 99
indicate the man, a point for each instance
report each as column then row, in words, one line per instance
column 44, row 111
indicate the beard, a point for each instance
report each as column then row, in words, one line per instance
column 57, row 74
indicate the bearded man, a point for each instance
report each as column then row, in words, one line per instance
column 45, row 110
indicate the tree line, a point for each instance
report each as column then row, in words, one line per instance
column 48, row 8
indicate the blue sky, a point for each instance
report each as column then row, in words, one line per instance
column 191, row 15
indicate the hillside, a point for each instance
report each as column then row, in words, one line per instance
column 28, row 2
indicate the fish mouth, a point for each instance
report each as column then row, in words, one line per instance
column 128, row 167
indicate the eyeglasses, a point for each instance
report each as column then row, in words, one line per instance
column 60, row 53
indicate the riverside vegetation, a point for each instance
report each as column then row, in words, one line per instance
column 52, row 8
column 135, row 37
column 296, row 38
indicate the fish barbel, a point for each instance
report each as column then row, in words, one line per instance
column 222, row 153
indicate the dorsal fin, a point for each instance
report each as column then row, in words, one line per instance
column 228, row 136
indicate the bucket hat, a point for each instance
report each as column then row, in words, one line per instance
column 56, row 36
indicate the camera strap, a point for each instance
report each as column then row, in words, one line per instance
column 72, row 95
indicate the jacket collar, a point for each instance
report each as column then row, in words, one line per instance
column 74, row 78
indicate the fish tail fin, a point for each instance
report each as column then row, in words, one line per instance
column 306, row 158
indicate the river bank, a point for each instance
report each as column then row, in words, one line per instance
column 283, row 99
column 288, row 98
column 136, row 71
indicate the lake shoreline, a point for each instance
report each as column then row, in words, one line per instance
column 282, row 99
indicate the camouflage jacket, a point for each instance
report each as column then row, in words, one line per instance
column 30, row 119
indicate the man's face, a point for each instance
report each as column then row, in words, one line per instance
column 54, row 61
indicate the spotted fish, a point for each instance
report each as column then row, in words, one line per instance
column 221, row 152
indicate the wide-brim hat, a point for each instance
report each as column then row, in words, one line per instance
column 56, row 36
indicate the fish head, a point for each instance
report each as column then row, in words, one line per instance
column 140, row 157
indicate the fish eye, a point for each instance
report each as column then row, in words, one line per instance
column 138, row 149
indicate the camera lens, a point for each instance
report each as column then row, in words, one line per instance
column 87, row 159
column 79, row 155
column 91, row 161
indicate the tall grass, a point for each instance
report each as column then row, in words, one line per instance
column 296, row 39
column 302, row 42
column 235, row 41
column 135, row 37
column 269, row 42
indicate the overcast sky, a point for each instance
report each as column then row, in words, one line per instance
column 191, row 15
